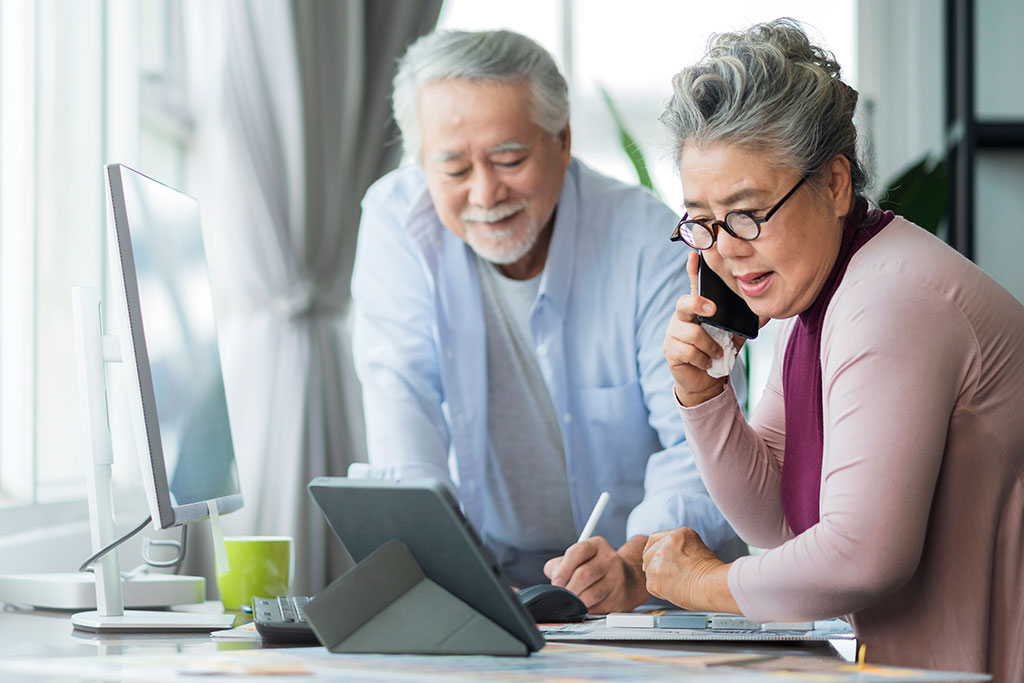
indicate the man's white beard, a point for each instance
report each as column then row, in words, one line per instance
column 501, row 246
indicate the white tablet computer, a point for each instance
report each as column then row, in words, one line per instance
column 365, row 514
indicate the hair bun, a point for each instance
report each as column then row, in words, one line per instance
column 768, row 88
column 784, row 35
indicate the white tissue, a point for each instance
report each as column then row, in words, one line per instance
column 721, row 367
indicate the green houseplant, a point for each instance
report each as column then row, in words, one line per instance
column 918, row 193
column 628, row 143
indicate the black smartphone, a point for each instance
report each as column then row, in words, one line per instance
column 732, row 312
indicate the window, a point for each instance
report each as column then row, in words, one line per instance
column 82, row 83
column 633, row 50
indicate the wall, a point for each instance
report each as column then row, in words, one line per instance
column 999, row 200
column 901, row 68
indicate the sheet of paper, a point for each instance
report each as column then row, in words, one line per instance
column 243, row 632
column 831, row 629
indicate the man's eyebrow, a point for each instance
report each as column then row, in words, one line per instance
column 510, row 146
column 748, row 193
column 442, row 157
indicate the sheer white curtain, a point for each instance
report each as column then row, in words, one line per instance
column 303, row 129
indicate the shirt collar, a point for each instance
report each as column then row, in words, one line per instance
column 422, row 223
column 556, row 279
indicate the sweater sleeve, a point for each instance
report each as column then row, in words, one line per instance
column 889, row 387
column 741, row 463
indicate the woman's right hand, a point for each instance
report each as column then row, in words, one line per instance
column 689, row 349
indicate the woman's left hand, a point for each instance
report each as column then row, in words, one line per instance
column 682, row 570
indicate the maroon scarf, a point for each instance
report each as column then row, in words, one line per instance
column 801, row 380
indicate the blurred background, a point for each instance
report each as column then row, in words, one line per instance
column 275, row 115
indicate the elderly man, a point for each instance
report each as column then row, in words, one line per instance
column 510, row 310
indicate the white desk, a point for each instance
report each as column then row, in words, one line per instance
column 46, row 633
column 33, row 635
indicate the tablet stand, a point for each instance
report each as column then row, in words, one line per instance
column 386, row 605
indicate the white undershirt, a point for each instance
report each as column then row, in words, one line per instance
column 528, row 509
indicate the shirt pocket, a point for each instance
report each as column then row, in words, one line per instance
column 617, row 428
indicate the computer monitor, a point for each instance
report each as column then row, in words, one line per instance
column 176, row 399
column 175, row 388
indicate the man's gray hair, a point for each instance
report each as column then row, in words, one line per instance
column 502, row 56
column 767, row 89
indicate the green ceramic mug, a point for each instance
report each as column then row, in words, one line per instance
column 258, row 566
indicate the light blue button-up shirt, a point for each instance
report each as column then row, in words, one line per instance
column 608, row 289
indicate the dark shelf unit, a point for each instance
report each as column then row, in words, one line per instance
column 965, row 133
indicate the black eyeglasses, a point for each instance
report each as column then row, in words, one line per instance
column 742, row 225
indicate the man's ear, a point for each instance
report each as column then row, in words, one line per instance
column 565, row 143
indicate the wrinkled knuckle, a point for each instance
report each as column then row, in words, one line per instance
column 586, row 575
column 651, row 570
column 696, row 357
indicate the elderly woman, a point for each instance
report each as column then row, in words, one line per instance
column 883, row 466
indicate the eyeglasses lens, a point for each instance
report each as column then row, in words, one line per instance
column 742, row 225
column 696, row 235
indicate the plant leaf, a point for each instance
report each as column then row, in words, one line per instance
column 919, row 193
column 629, row 145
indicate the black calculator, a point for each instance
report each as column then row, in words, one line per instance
column 283, row 620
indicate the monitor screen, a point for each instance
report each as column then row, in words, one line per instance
column 176, row 389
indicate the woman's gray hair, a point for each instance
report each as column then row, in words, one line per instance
column 767, row 89
column 502, row 56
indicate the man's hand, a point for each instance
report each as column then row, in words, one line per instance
column 680, row 568
column 605, row 579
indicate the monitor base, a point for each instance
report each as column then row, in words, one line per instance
column 134, row 621
column 77, row 590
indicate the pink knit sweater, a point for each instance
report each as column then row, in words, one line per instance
column 921, row 532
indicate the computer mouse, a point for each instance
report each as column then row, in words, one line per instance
column 551, row 604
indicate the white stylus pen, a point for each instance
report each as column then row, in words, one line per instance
column 588, row 529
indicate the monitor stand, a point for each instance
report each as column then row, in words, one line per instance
column 94, row 350
column 77, row 590
column 138, row 621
